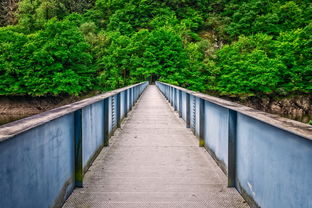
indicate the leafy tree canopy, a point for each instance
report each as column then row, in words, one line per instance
column 232, row 48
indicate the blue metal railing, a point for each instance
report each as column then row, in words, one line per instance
column 45, row 156
column 266, row 157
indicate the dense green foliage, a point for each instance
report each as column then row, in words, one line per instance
column 233, row 48
column 53, row 61
column 262, row 64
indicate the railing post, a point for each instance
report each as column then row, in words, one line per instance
column 135, row 95
column 193, row 113
column 126, row 103
column 132, row 96
column 106, row 121
column 180, row 103
column 168, row 94
column 188, row 111
column 78, row 148
column 201, row 122
column 232, row 148
column 172, row 96
column 130, row 99
column 175, row 99
column 118, row 109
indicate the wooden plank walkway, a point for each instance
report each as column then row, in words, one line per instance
column 154, row 161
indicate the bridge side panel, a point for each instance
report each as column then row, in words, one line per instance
column 273, row 166
column 92, row 134
column 216, row 134
column 37, row 166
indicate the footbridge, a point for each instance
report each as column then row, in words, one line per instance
column 155, row 146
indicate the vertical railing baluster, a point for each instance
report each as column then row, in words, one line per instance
column 172, row 96
column 170, row 91
column 126, row 103
column 118, row 109
column 180, row 103
column 113, row 112
column 78, row 148
column 188, row 111
column 135, row 94
column 193, row 119
column 232, row 134
column 106, row 121
column 175, row 99
column 201, row 122
column 130, row 100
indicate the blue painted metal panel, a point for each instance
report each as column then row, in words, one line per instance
column 216, row 134
column 273, row 166
column 92, row 134
column 37, row 166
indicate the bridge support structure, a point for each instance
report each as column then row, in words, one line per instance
column 256, row 150
column 45, row 156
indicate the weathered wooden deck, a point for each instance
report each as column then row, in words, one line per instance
column 154, row 161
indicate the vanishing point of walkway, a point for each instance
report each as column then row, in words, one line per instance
column 154, row 161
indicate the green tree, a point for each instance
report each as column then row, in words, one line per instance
column 245, row 69
column 53, row 61
column 13, row 61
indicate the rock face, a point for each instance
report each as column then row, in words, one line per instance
column 26, row 106
column 295, row 107
column 8, row 10
column 15, row 108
